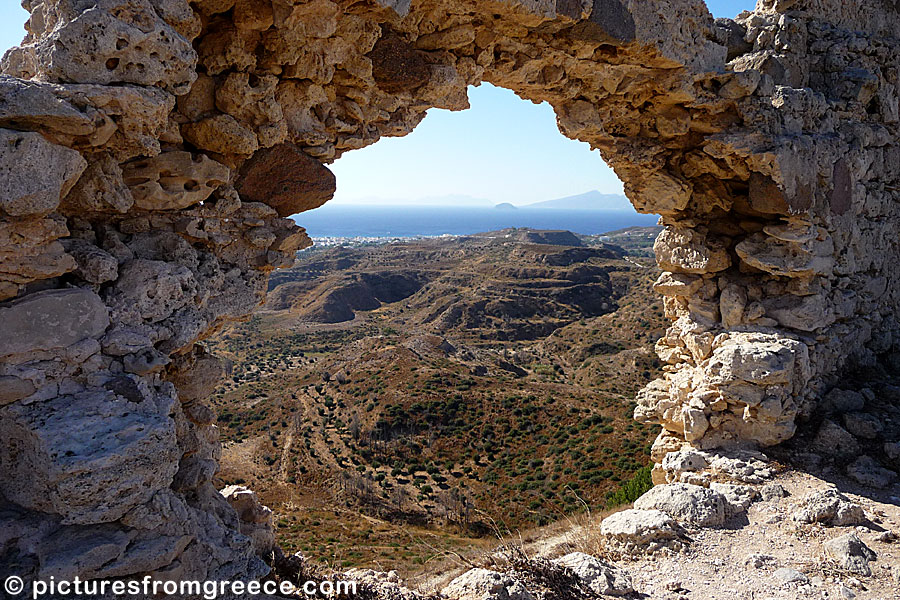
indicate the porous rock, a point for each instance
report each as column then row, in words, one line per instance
column 483, row 584
column 600, row 576
column 635, row 530
column 829, row 507
column 34, row 174
column 686, row 503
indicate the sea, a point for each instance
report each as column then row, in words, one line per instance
column 374, row 221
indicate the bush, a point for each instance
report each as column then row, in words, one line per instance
column 632, row 489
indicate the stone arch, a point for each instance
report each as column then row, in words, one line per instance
column 153, row 148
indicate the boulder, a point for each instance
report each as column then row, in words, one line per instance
column 598, row 575
column 829, row 507
column 483, row 584
column 287, row 179
column 636, row 529
column 835, row 441
column 866, row 471
column 686, row 503
column 851, row 553
column 863, row 425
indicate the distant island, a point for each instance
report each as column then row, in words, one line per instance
column 506, row 206
column 593, row 200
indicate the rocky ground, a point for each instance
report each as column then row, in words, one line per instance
column 801, row 537
column 767, row 553
column 738, row 525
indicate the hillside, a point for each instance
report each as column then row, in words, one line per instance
column 438, row 387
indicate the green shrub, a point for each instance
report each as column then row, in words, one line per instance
column 632, row 489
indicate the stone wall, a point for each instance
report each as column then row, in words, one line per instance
column 151, row 150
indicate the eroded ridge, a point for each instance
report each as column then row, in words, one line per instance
column 152, row 150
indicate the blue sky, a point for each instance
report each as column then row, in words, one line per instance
column 503, row 148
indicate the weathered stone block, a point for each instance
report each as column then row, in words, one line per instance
column 287, row 179
column 34, row 174
column 51, row 320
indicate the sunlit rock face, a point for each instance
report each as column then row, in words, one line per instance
column 151, row 150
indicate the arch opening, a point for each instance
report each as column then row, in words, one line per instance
column 150, row 173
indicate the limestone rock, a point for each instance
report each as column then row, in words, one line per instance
column 482, row 584
column 134, row 118
column 678, row 284
column 834, row 440
column 600, row 576
column 637, row 530
column 94, row 265
column 49, row 320
column 851, row 554
column 773, row 492
column 788, row 575
column 774, row 174
column 385, row 585
column 13, row 389
column 117, row 41
column 151, row 290
column 892, row 450
column 222, row 134
column 101, row 188
column 686, row 503
column 29, row 251
column 688, row 251
column 842, row 401
column 397, row 66
column 196, row 374
column 173, row 180
column 287, row 179
column 90, row 458
column 738, row 498
column 830, row 507
column 34, row 174
column 863, row 425
column 33, row 106
column 867, row 472
column 256, row 519
column 788, row 258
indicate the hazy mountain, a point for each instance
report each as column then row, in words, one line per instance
column 506, row 206
column 592, row 200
